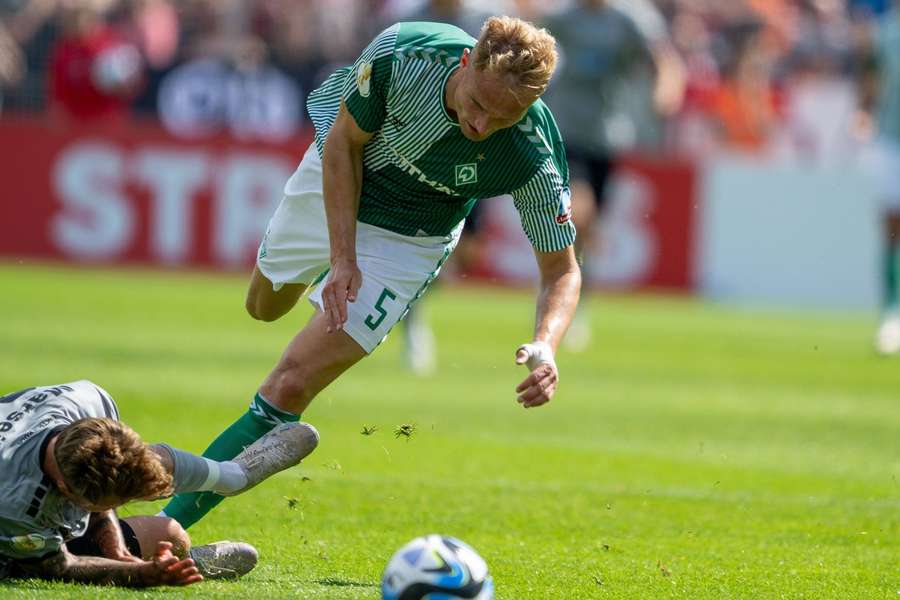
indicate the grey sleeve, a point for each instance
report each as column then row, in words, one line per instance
column 189, row 472
column 90, row 399
column 106, row 404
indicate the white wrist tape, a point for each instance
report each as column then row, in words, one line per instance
column 538, row 353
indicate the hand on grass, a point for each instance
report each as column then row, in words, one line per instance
column 168, row 569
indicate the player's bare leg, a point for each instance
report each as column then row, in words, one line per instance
column 219, row 560
column 265, row 304
column 312, row 360
column 149, row 531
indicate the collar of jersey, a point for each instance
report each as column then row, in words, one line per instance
column 443, row 93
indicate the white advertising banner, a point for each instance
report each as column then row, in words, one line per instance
column 796, row 236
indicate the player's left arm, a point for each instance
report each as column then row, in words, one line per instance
column 104, row 528
column 558, row 296
column 545, row 209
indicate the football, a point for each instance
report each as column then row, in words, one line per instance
column 436, row 566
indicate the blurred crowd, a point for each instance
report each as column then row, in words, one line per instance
column 754, row 76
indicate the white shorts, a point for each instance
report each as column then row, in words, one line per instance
column 396, row 269
column 888, row 174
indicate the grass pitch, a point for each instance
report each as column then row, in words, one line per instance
column 695, row 452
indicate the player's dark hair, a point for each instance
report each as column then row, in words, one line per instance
column 103, row 459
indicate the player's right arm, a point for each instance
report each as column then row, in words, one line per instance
column 362, row 111
column 342, row 165
column 164, row 569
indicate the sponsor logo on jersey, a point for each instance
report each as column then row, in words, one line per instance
column 364, row 79
column 413, row 170
column 466, row 174
column 564, row 214
column 28, row 403
column 28, row 543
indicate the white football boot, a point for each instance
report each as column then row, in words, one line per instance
column 887, row 340
column 224, row 560
column 283, row 447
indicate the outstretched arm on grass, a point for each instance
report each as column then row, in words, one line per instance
column 557, row 299
column 164, row 569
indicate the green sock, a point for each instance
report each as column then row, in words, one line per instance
column 890, row 276
column 259, row 419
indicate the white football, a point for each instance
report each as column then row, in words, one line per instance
column 436, row 567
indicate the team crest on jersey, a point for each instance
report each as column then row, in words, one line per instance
column 28, row 543
column 364, row 79
column 466, row 174
column 564, row 214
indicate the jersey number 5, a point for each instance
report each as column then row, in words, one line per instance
column 373, row 321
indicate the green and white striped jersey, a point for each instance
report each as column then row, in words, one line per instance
column 421, row 175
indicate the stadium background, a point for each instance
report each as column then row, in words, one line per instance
column 755, row 193
column 182, row 164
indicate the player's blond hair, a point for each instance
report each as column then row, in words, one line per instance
column 102, row 459
column 517, row 51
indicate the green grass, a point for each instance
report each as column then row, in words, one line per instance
column 696, row 452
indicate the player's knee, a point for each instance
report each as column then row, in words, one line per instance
column 290, row 388
column 250, row 305
column 258, row 311
column 174, row 533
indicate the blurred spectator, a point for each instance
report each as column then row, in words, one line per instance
column 292, row 35
column 880, row 94
column 237, row 91
column 693, row 40
column 606, row 98
column 455, row 12
column 156, row 30
column 821, row 41
column 760, row 74
column 665, row 84
column 745, row 103
column 95, row 72
column 32, row 26
column 869, row 7
column 12, row 63
column 819, row 97
column 315, row 37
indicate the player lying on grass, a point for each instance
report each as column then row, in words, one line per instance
column 407, row 139
column 66, row 463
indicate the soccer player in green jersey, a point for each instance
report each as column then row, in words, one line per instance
column 427, row 121
column 887, row 340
